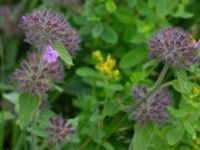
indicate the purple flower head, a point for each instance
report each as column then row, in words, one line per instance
column 44, row 27
column 36, row 76
column 60, row 130
column 174, row 46
column 139, row 92
column 153, row 110
column 197, row 44
column 50, row 55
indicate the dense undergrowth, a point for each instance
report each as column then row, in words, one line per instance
column 99, row 75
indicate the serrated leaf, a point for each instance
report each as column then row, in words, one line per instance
column 109, row 35
column 63, row 53
column 132, row 58
column 28, row 105
column 97, row 30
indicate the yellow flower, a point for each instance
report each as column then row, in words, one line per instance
column 193, row 41
column 195, row 90
column 105, row 67
column 116, row 73
column 97, row 54
column 110, row 62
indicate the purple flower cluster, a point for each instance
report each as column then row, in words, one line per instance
column 60, row 130
column 139, row 92
column 174, row 46
column 44, row 27
column 153, row 110
column 36, row 76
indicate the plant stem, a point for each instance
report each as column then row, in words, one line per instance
column 19, row 142
column 24, row 139
column 57, row 147
column 160, row 78
column 34, row 138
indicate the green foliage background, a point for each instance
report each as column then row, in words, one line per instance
column 121, row 28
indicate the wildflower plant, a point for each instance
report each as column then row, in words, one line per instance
column 133, row 86
column 54, row 40
column 176, row 48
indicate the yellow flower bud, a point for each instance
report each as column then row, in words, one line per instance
column 97, row 54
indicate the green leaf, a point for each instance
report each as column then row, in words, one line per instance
column 125, row 16
column 162, row 10
column 115, row 87
column 38, row 131
column 184, row 84
column 132, row 58
column 63, row 53
column 111, row 108
column 111, row 6
column 180, row 11
column 74, row 138
column 181, row 113
column 5, row 116
column 174, row 135
column 97, row 30
column 108, row 146
column 185, row 148
column 109, row 35
column 152, row 3
column 28, row 105
column 12, row 97
column 188, row 126
column 44, row 116
column 142, row 135
column 87, row 72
